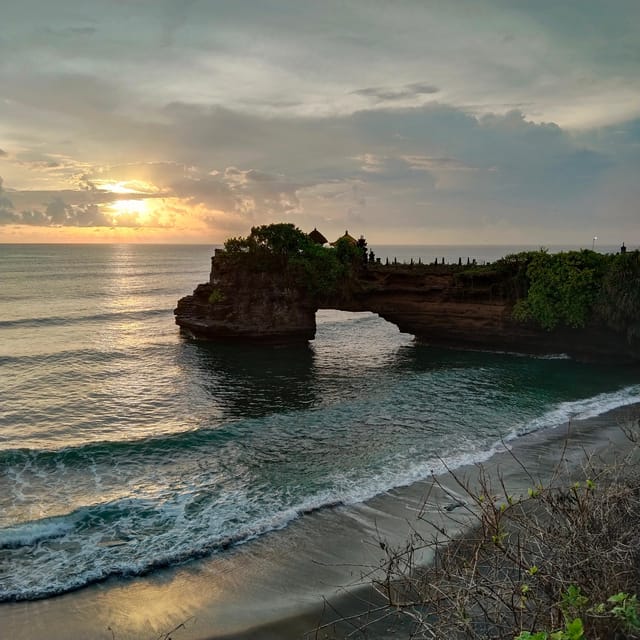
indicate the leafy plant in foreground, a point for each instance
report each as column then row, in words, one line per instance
column 531, row 566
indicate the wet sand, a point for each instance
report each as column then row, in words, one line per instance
column 278, row 586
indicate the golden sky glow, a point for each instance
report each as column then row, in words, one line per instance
column 126, row 186
column 457, row 122
column 137, row 209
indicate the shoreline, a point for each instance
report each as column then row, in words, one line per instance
column 274, row 586
column 359, row 607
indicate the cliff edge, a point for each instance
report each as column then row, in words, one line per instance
column 442, row 305
column 242, row 303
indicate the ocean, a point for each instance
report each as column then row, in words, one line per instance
column 126, row 448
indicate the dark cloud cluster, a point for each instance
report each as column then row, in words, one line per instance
column 54, row 212
column 248, row 193
column 57, row 214
column 408, row 167
column 382, row 94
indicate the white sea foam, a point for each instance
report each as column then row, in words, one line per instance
column 579, row 410
column 469, row 453
column 106, row 539
column 30, row 533
column 173, row 450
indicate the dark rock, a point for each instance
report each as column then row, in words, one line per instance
column 428, row 302
column 248, row 306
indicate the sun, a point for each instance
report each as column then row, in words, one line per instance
column 129, row 202
column 130, row 212
column 137, row 207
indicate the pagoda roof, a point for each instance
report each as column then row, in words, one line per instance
column 317, row 237
column 347, row 237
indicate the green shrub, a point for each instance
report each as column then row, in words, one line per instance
column 621, row 607
column 575, row 288
column 563, row 288
column 619, row 300
column 282, row 247
column 216, row 296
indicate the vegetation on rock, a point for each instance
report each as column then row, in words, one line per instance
column 285, row 248
column 568, row 289
column 619, row 297
column 576, row 288
column 216, row 296
column 563, row 288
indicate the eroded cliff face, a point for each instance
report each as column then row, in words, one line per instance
column 430, row 302
column 239, row 304
column 438, row 308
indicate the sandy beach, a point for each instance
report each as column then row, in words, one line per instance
column 287, row 583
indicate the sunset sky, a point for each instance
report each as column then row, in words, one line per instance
column 409, row 121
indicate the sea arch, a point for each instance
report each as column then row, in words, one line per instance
column 428, row 301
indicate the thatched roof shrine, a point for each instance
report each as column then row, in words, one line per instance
column 347, row 237
column 317, row 237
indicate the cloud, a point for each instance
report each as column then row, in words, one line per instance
column 57, row 211
column 259, row 176
column 313, row 57
column 248, row 192
column 175, row 17
column 5, row 203
column 427, row 163
column 239, row 196
column 382, row 94
column 407, row 118
column 68, row 93
column 57, row 214
column 51, row 209
column 32, row 218
column 7, row 214
column 60, row 214
column 425, row 167
column 73, row 32
column 7, row 217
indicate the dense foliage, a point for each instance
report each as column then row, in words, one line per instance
column 563, row 288
column 619, row 301
column 575, row 288
column 284, row 247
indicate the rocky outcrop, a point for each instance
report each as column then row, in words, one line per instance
column 431, row 302
column 247, row 305
column 439, row 308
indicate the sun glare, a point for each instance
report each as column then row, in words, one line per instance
column 135, row 207
column 127, row 186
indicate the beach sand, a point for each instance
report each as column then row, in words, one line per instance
column 287, row 583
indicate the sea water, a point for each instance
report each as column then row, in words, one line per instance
column 126, row 447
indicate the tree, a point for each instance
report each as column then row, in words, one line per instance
column 285, row 248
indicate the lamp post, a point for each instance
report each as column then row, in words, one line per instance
column 593, row 244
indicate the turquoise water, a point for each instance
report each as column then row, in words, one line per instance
column 125, row 447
